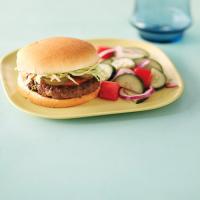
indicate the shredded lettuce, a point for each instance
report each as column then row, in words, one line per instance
column 93, row 71
column 70, row 78
column 54, row 77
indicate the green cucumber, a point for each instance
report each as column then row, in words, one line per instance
column 136, row 52
column 123, row 63
column 158, row 79
column 153, row 63
column 106, row 71
column 130, row 82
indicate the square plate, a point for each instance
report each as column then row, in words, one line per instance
column 97, row 106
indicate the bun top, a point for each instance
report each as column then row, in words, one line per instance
column 56, row 55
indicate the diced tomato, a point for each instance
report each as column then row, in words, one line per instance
column 109, row 90
column 144, row 74
column 103, row 48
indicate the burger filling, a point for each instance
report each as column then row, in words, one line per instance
column 65, row 85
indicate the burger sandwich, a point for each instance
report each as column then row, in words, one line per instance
column 58, row 72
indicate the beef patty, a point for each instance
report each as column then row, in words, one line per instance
column 62, row 91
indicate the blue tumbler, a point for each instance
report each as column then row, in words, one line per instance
column 161, row 20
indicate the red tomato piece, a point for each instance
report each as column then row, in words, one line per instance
column 144, row 74
column 109, row 90
column 103, row 48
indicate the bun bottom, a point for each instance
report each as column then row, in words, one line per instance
column 38, row 99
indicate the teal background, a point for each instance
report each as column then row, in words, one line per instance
column 152, row 155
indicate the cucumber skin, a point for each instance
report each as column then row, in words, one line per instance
column 113, row 73
column 141, row 101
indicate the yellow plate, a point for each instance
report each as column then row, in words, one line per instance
column 97, row 106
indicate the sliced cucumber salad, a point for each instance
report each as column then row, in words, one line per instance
column 137, row 75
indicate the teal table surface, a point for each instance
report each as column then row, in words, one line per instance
column 152, row 155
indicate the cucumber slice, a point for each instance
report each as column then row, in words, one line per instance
column 107, row 61
column 135, row 52
column 107, row 72
column 130, row 82
column 153, row 64
column 158, row 79
column 123, row 63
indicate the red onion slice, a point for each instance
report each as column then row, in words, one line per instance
column 171, row 85
column 123, row 71
column 128, row 53
column 143, row 63
column 119, row 51
column 144, row 95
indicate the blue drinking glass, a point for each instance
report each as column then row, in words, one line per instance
column 161, row 20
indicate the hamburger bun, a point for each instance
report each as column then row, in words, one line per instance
column 40, row 100
column 56, row 55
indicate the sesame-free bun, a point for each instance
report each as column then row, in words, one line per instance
column 56, row 55
column 38, row 99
